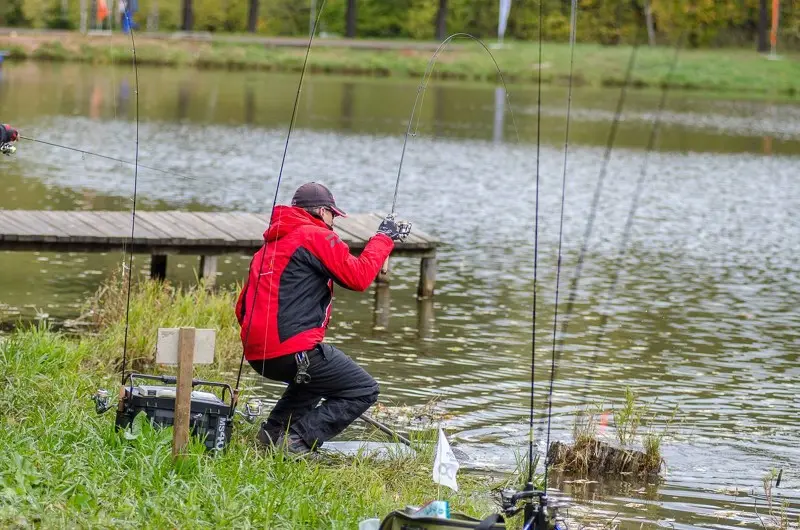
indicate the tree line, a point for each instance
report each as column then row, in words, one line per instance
column 704, row 23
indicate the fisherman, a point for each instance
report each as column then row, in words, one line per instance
column 8, row 134
column 284, row 309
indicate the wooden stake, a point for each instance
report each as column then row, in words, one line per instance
column 183, row 396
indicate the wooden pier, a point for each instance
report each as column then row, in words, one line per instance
column 204, row 234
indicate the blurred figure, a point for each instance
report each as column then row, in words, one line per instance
column 8, row 135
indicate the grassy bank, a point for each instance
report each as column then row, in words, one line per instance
column 725, row 71
column 61, row 465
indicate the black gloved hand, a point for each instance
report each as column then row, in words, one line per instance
column 397, row 231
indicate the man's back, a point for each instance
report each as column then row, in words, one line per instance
column 285, row 306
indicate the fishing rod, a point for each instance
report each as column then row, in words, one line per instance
column 135, row 189
column 420, row 97
column 640, row 182
column 610, row 141
column 539, row 513
column 529, row 482
column 111, row 158
column 275, row 198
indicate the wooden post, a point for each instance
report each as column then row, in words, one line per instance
column 183, row 396
column 382, row 306
column 208, row 269
column 427, row 277
column 383, row 275
column 158, row 266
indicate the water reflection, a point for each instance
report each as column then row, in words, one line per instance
column 452, row 110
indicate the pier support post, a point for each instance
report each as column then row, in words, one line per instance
column 158, row 266
column 382, row 306
column 208, row 269
column 383, row 275
column 427, row 277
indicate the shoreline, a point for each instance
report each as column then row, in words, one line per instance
column 718, row 72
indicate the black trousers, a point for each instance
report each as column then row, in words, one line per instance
column 347, row 388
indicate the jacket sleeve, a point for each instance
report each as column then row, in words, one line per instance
column 5, row 136
column 240, row 309
column 355, row 273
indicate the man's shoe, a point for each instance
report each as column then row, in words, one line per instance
column 264, row 438
column 293, row 444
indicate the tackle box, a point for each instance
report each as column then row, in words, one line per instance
column 210, row 417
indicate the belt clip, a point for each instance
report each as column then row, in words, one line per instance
column 302, row 368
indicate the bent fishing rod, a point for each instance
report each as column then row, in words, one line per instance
column 420, row 98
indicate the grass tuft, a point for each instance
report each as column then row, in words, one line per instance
column 589, row 455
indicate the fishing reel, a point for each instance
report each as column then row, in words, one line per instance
column 102, row 401
column 8, row 149
column 252, row 410
column 539, row 512
column 403, row 227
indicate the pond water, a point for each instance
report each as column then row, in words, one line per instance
column 703, row 320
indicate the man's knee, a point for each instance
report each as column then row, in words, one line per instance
column 373, row 397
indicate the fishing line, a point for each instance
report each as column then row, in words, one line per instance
column 610, row 140
column 275, row 199
column 626, row 233
column 420, row 97
column 535, row 248
column 133, row 209
column 119, row 160
column 572, row 32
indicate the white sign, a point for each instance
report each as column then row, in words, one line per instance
column 167, row 348
column 445, row 466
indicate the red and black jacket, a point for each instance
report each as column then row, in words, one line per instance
column 302, row 258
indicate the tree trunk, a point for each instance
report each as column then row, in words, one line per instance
column 648, row 17
column 252, row 16
column 188, row 15
column 763, row 43
column 441, row 21
column 350, row 31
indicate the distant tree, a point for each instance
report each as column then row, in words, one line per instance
column 763, row 43
column 252, row 16
column 188, row 15
column 441, row 20
column 350, row 30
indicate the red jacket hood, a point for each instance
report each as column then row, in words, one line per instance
column 286, row 219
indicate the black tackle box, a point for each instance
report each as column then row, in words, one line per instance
column 211, row 417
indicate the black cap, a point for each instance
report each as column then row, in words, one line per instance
column 313, row 194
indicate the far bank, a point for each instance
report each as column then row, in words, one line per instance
column 724, row 72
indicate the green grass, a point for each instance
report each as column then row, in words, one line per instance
column 717, row 71
column 61, row 465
